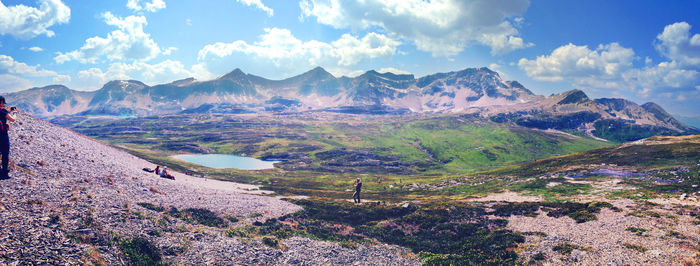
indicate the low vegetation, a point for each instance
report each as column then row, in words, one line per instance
column 567, row 248
column 580, row 212
column 140, row 251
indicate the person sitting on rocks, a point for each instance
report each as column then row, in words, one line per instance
column 157, row 169
column 165, row 173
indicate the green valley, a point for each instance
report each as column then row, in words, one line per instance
column 321, row 152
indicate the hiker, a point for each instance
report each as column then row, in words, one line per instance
column 5, row 117
column 157, row 169
column 358, row 187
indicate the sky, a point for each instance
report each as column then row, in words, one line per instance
column 642, row 50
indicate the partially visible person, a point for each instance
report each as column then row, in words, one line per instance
column 157, row 169
column 164, row 173
column 6, row 116
column 358, row 188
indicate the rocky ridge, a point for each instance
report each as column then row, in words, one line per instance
column 70, row 198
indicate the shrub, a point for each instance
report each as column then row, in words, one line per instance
column 151, row 206
column 636, row 230
column 246, row 231
column 254, row 215
column 200, row 216
column 676, row 235
column 638, row 248
column 93, row 257
column 539, row 256
column 271, row 241
column 140, row 251
column 567, row 248
column 524, row 208
column 582, row 216
column 35, row 202
column 230, row 218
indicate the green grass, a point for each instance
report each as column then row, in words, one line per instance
column 140, row 251
column 567, row 248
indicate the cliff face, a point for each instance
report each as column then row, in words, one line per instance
column 73, row 200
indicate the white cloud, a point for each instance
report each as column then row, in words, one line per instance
column 129, row 42
column 280, row 46
column 36, row 49
column 572, row 62
column 200, row 72
column 442, row 27
column 8, row 65
column 351, row 50
column 26, row 22
column 611, row 66
column 258, row 4
column 665, row 75
column 676, row 44
column 169, row 51
column 153, row 6
column 10, row 83
column 16, row 75
column 163, row 72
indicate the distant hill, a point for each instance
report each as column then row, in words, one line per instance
column 472, row 90
column 642, row 155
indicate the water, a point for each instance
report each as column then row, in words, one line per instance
column 221, row 161
column 111, row 116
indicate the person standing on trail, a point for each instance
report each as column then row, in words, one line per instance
column 5, row 117
column 358, row 188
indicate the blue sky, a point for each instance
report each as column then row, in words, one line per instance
column 641, row 50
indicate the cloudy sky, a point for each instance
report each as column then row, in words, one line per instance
column 643, row 50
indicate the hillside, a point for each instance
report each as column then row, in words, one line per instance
column 72, row 200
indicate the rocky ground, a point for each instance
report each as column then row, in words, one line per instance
column 639, row 233
column 72, row 199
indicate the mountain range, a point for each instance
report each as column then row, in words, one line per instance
column 472, row 90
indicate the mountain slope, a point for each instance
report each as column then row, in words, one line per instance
column 637, row 156
column 74, row 200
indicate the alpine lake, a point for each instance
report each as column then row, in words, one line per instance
column 222, row 161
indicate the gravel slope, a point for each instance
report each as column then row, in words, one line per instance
column 66, row 186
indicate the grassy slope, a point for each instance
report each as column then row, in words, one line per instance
column 655, row 152
column 658, row 158
column 453, row 145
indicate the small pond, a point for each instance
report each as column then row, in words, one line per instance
column 221, row 161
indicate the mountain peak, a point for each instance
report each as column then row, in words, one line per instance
column 235, row 74
column 657, row 110
column 574, row 96
column 488, row 70
column 124, row 84
column 50, row 87
column 318, row 72
column 318, row 69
